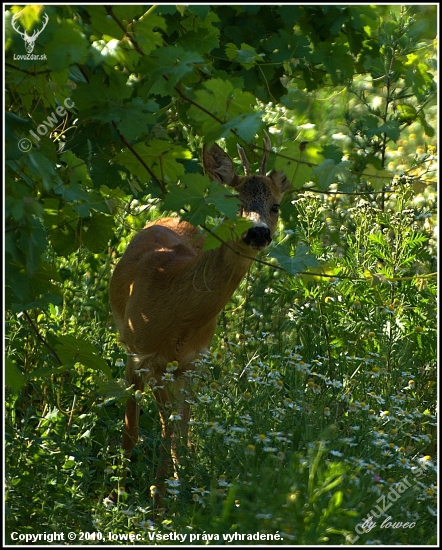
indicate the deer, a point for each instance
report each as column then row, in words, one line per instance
column 166, row 293
column 29, row 40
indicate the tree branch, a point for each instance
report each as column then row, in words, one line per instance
column 137, row 156
column 40, row 337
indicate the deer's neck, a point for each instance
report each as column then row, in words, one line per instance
column 216, row 275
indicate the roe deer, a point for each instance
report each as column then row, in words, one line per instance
column 166, row 294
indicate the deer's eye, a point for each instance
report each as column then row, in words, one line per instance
column 275, row 209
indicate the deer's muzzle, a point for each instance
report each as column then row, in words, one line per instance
column 258, row 237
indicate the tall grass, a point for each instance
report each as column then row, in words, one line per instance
column 315, row 406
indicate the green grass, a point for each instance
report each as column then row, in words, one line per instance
column 315, row 406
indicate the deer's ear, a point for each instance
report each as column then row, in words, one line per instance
column 280, row 180
column 218, row 166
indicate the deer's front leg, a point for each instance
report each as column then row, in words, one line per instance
column 132, row 415
column 174, row 416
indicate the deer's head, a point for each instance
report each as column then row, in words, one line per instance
column 29, row 40
column 260, row 194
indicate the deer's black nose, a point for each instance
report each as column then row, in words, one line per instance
column 258, row 236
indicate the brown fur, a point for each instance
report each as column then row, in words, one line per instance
column 166, row 294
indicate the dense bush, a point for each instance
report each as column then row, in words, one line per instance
column 317, row 401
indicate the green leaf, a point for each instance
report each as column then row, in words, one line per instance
column 133, row 119
column 201, row 10
column 369, row 124
column 297, row 100
column 429, row 130
column 78, row 174
column 391, row 129
column 72, row 350
column 41, row 303
column 328, row 172
column 228, row 230
column 246, row 127
column 246, row 56
column 33, row 242
column 69, row 463
column 13, row 376
column 201, row 36
column 48, row 372
column 61, row 221
column 146, row 32
column 222, row 198
column 167, row 66
column 197, row 196
column 97, row 231
column 188, row 194
column 64, row 240
column 18, row 287
column 332, row 152
column 160, row 156
column 293, row 261
column 336, row 59
column 101, row 95
column 298, row 161
column 218, row 99
column 43, row 169
column 418, row 77
column 290, row 14
column 14, row 126
column 406, row 113
column 68, row 46
column 377, row 176
column 92, row 200
column 287, row 46
column 101, row 23
column 104, row 173
column 35, row 292
column 114, row 389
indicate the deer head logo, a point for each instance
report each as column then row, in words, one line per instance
column 29, row 40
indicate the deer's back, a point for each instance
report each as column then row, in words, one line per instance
column 147, row 302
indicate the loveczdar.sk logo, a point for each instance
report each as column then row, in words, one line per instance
column 29, row 40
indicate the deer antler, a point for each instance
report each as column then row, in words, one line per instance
column 15, row 26
column 267, row 148
column 29, row 40
column 36, row 32
column 245, row 162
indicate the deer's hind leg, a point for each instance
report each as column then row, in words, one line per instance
column 174, row 413
column 132, row 413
